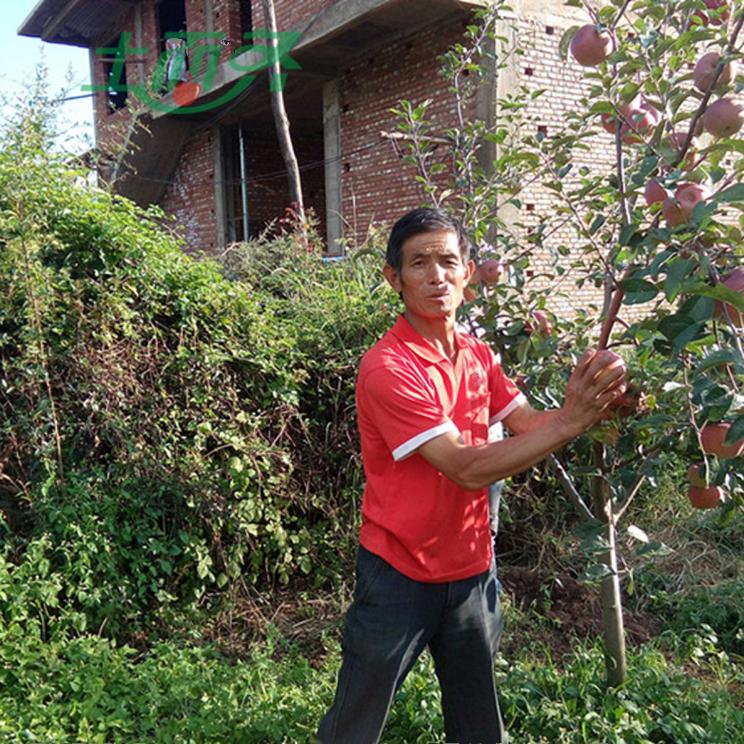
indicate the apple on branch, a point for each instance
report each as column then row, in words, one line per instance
column 591, row 47
column 490, row 271
column 723, row 118
column 541, row 324
column 654, row 192
column 713, row 436
column 678, row 210
column 705, row 498
column 705, row 71
column 734, row 281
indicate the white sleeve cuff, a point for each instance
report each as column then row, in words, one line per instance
column 407, row 448
column 504, row 412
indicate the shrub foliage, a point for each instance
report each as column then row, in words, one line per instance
column 166, row 426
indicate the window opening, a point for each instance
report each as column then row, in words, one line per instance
column 246, row 17
column 115, row 75
column 172, row 18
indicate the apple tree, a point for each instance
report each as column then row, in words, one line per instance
column 657, row 233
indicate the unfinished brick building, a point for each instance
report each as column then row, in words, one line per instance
column 217, row 167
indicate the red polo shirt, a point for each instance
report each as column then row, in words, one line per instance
column 407, row 393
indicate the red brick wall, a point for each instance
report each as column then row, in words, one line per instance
column 268, row 189
column 290, row 14
column 190, row 195
column 541, row 68
column 377, row 187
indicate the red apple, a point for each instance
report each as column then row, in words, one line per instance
column 717, row 19
column 608, row 123
column 639, row 120
column 673, row 213
column 696, row 475
column 627, row 404
column 713, row 436
column 689, row 195
column 723, row 118
column 734, row 281
column 705, row 498
column 654, row 193
column 543, row 323
column 490, row 271
column 590, row 47
column 705, row 71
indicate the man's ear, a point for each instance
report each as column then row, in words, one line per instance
column 392, row 276
column 469, row 271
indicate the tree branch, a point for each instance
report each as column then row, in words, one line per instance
column 569, row 488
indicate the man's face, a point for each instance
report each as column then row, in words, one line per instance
column 432, row 275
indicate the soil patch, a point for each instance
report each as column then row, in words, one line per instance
column 571, row 608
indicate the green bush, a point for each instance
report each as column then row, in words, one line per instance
column 167, row 426
column 718, row 608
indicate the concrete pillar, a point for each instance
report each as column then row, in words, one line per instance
column 219, row 188
column 332, row 156
column 139, row 41
column 209, row 15
column 94, row 97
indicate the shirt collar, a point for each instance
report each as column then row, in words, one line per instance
column 406, row 333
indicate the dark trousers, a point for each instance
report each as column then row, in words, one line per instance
column 391, row 620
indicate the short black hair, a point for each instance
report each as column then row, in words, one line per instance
column 420, row 221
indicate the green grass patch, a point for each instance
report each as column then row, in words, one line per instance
column 90, row 690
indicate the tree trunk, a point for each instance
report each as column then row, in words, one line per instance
column 613, row 629
column 281, row 121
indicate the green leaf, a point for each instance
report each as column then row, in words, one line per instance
column 565, row 41
column 638, row 291
column 717, row 359
column 595, row 573
column 719, row 292
column 736, row 432
column 731, row 194
column 677, row 270
column 673, row 325
column 590, row 528
column 653, row 549
column 598, row 221
column 697, row 307
column 594, row 545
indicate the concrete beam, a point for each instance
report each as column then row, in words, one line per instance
column 57, row 21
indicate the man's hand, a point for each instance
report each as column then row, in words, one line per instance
column 597, row 380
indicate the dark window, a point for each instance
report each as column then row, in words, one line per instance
column 172, row 18
column 246, row 17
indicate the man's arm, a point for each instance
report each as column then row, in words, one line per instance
column 595, row 382
column 525, row 419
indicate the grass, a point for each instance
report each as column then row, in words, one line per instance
column 262, row 671
column 89, row 690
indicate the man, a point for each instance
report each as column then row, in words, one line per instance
column 425, row 573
